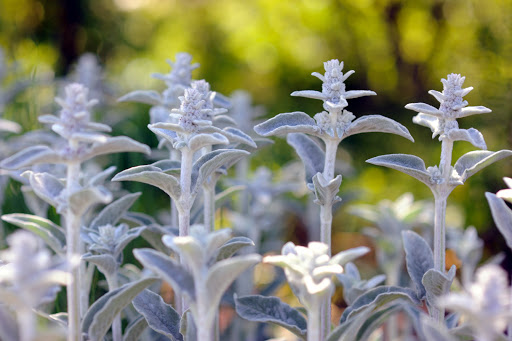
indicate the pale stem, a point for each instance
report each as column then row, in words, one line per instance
column 112, row 282
column 315, row 332
column 242, row 174
column 72, row 253
column 174, row 155
column 26, row 324
column 393, row 279
column 204, row 325
column 331, row 147
column 509, row 326
column 86, row 273
column 209, row 206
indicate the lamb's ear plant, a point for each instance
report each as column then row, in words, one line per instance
column 82, row 140
column 331, row 126
column 206, row 271
column 443, row 179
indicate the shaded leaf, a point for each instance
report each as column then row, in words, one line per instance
column 161, row 317
column 105, row 262
column 31, row 156
column 236, row 135
column 100, row 178
column 101, row 314
column 46, row 186
column 325, row 192
column 311, row 154
column 418, row 257
column 232, row 246
column 188, row 327
column 135, row 329
column 112, row 213
column 142, row 96
column 80, row 201
column 348, row 329
column 502, row 216
column 118, row 144
column 376, row 320
column 379, row 124
column 294, row 122
column 271, row 309
column 153, row 235
column 153, row 176
column 437, row 283
column 8, row 326
column 472, row 162
column 408, row 164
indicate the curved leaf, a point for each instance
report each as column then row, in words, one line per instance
column 118, row 144
column 349, row 255
column 311, row 154
column 80, row 201
column 502, row 216
column 424, row 108
column 101, row 314
column 472, row 162
column 113, row 212
column 294, row 122
column 161, row 317
column 135, row 329
column 379, row 124
column 31, row 156
column 437, row 284
column 153, row 176
column 259, row 308
column 418, row 257
column 467, row 111
column 142, row 96
column 52, row 234
column 202, row 140
column 408, row 164
column 470, row 135
column 309, row 94
column 325, row 192
column 105, row 262
column 231, row 246
column 428, row 121
column 376, row 320
column 46, row 186
column 236, row 135
column 358, row 93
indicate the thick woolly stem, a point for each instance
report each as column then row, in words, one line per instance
column 315, row 332
column 209, row 206
column 117, row 334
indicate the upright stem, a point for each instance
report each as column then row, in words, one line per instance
column 209, row 206
column 315, row 325
column 174, row 155
column 72, row 253
column 117, row 334
column 26, row 324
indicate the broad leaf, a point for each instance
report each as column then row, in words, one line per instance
column 325, row 192
column 418, row 257
column 271, row 309
column 424, row 108
column 502, row 216
column 231, row 246
column 101, row 314
column 31, row 156
column 153, row 176
column 437, row 284
column 161, row 317
column 376, row 320
column 349, row 255
column 80, row 201
column 167, row 269
column 102, row 177
column 112, row 213
column 379, row 124
column 46, row 186
column 309, row 94
column 470, row 135
column 236, row 135
column 311, row 154
column 135, row 329
column 467, row 111
column 52, row 234
column 472, row 162
column 428, row 121
column 294, row 122
column 142, row 96
column 153, row 235
column 105, row 263
column 199, row 141
column 348, row 329
column 118, row 144
column 408, row 164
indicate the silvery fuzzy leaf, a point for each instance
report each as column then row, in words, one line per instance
column 135, row 329
column 428, row 121
column 408, row 164
column 85, row 137
column 31, row 156
column 153, row 176
column 437, row 283
column 9, row 126
column 222, row 274
column 349, row 255
column 294, row 122
column 348, row 329
column 236, row 135
column 223, row 121
column 141, row 219
column 153, row 235
column 271, row 309
column 311, row 154
column 325, row 192
column 468, row 111
column 142, row 96
column 358, row 93
column 425, row 109
column 309, row 94
column 80, row 201
column 167, row 269
column 8, row 326
column 101, row 178
column 191, row 251
column 168, row 166
column 376, row 320
column 202, row 140
column 207, row 164
column 127, row 238
column 188, row 327
column 470, row 135
column 378, row 297
column 419, row 259
column 46, row 186
column 435, row 331
column 105, row 262
column 118, row 144
column 48, row 119
column 472, row 162
column 52, row 234
column 232, row 246
column 168, row 136
column 438, row 95
column 502, row 216
column 161, row 317
column 112, row 213
column 101, row 314
column 98, row 127
column 159, row 126
column 379, row 124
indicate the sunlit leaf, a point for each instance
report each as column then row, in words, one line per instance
column 153, row 176
column 408, row 164
column 294, row 122
column 135, row 329
column 472, row 162
column 311, row 154
column 379, row 124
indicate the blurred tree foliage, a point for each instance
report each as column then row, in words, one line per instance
column 400, row 49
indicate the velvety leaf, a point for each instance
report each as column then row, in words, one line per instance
column 209, row 163
column 167, row 269
column 118, row 144
column 236, row 135
column 418, row 257
column 467, row 111
column 295, row 122
column 376, row 320
column 232, row 246
column 358, row 93
column 135, row 329
column 379, row 124
column 271, row 309
column 46, row 186
column 102, row 177
column 437, row 283
column 349, row 255
column 309, row 94
column 80, row 201
column 191, row 251
column 31, row 156
column 142, row 96
column 435, row 331
column 112, row 213
column 101, row 314
column 325, row 192
column 188, row 327
column 161, row 317
column 52, row 234
column 472, row 162
column 502, row 216
column 408, row 164
column 9, row 126
column 168, row 166
column 470, row 135
column 105, row 262
column 153, row 176
column 311, row 154
column 424, row 108
column 202, row 140
column 378, row 297
column 8, row 326
column 428, row 121
column 153, row 235
column 348, row 329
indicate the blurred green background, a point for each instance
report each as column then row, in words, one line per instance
column 399, row 49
